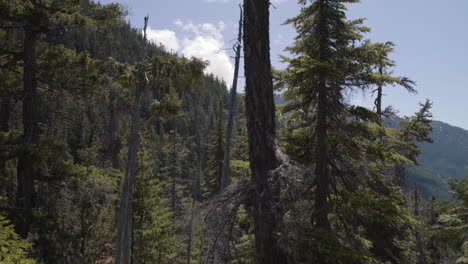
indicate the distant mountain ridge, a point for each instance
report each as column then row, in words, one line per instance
column 446, row 158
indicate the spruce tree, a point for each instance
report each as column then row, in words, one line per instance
column 215, row 164
column 329, row 59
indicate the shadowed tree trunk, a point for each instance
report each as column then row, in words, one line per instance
column 5, row 112
column 378, row 100
column 232, row 109
column 25, row 169
column 124, row 234
column 260, row 111
column 220, row 250
column 321, row 152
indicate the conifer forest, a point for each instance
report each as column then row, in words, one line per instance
column 115, row 149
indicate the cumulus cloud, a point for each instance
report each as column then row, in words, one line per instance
column 165, row 37
column 204, row 41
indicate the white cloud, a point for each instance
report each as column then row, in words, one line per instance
column 178, row 22
column 165, row 37
column 207, row 43
column 204, row 41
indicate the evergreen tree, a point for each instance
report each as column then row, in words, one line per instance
column 215, row 164
column 14, row 249
column 379, row 54
column 416, row 128
column 153, row 235
column 356, row 213
column 328, row 60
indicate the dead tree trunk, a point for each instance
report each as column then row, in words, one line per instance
column 25, row 169
column 378, row 100
column 220, row 254
column 124, row 234
column 232, row 109
column 260, row 111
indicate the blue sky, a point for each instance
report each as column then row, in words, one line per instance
column 431, row 38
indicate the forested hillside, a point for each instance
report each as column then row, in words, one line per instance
column 114, row 150
column 441, row 160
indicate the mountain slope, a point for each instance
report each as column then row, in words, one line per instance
column 445, row 158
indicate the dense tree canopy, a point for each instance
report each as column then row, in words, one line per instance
column 114, row 150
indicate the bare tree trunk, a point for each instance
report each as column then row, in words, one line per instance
column 124, row 233
column 25, row 170
column 260, row 111
column 232, row 109
column 220, row 249
column 124, row 236
column 378, row 100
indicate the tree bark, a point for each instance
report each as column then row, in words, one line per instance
column 124, row 235
column 123, row 249
column 232, row 109
column 25, row 168
column 260, row 111
column 378, row 100
column 322, row 159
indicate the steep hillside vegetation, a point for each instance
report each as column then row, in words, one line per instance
column 440, row 161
